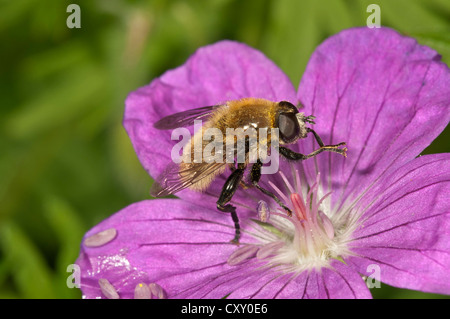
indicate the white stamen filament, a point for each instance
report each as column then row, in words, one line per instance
column 269, row 249
column 241, row 254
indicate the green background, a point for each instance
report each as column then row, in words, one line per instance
column 66, row 163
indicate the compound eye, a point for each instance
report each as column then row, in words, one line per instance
column 289, row 127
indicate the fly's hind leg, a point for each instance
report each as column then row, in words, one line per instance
column 228, row 190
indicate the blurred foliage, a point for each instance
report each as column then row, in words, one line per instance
column 66, row 162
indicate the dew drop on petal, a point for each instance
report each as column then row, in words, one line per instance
column 142, row 291
column 100, row 238
column 157, row 291
column 107, row 289
column 242, row 254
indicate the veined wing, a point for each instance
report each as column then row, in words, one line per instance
column 185, row 118
column 175, row 179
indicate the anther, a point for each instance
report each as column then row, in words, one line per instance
column 107, row 289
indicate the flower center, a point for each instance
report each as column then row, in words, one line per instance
column 306, row 240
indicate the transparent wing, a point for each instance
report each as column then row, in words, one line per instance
column 185, row 118
column 174, row 180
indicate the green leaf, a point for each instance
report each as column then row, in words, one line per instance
column 128, row 170
column 69, row 230
column 411, row 16
column 57, row 105
column 60, row 59
column 14, row 12
column 292, row 36
column 335, row 15
column 27, row 266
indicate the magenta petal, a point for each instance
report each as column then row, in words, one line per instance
column 382, row 93
column 337, row 282
column 155, row 242
column 184, row 250
column 405, row 229
column 341, row 281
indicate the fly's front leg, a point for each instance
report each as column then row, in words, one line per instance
column 294, row 156
column 228, row 190
column 329, row 148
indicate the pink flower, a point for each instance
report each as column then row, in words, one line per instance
column 380, row 208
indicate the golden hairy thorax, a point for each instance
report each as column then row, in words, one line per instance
column 244, row 112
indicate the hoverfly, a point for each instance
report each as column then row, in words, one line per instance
column 242, row 113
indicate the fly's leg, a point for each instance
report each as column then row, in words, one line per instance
column 293, row 156
column 255, row 176
column 329, row 148
column 243, row 184
column 228, row 190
